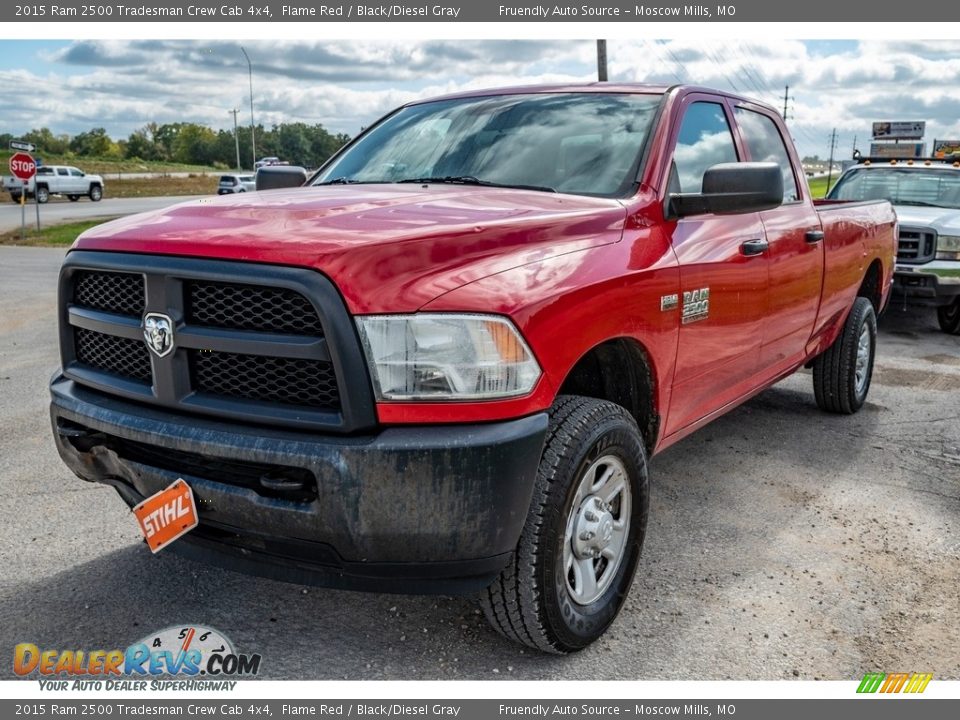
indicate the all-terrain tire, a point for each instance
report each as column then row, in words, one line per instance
column 842, row 374
column 531, row 601
column 949, row 317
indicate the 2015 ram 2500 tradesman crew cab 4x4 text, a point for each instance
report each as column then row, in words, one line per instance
column 444, row 364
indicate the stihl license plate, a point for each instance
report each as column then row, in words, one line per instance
column 166, row 516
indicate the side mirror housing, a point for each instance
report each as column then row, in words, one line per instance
column 732, row 188
column 274, row 177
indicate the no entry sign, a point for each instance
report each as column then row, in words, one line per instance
column 22, row 166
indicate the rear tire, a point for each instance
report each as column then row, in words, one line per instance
column 43, row 195
column 842, row 374
column 15, row 197
column 579, row 548
column 96, row 192
column 73, row 198
column 949, row 317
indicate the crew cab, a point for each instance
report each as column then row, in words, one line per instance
column 925, row 194
column 444, row 364
column 64, row 180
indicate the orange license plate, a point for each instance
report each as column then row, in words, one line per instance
column 168, row 515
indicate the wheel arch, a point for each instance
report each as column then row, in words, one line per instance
column 621, row 371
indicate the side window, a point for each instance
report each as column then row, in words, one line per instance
column 75, row 173
column 704, row 141
column 62, row 171
column 765, row 144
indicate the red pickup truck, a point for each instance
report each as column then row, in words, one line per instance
column 444, row 364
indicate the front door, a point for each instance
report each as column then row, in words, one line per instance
column 723, row 276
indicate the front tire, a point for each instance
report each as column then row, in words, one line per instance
column 949, row 317
column 579, row 548
column 96, row 192
column 43, row 195
column 842, row 374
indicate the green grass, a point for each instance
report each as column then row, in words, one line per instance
column 56, row 235
column 106, row 167
column 818, row 186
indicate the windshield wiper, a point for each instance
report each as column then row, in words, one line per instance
column 918, row 203
column 351, row 181
column 471, row 180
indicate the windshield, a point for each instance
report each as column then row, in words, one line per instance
column 901, row 186
column 582, row 143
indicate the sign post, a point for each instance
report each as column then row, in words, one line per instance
column 23, row 167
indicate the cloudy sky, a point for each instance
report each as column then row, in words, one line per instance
column 121, row 85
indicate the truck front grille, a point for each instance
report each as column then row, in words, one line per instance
column 916, row 245
column 251, row 342
column 248, row 307
column 272, row 379
column 120, row 293
column 116, row 355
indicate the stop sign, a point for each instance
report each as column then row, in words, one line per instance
column 23, row 166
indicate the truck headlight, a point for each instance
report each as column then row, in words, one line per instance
column 442, row 356
column 948, row 247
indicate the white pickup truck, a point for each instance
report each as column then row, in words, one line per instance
column 925, row 193
column 64, row 180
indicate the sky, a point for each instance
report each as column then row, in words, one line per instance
column 73, row 86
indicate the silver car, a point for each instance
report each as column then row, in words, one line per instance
column 236, row 184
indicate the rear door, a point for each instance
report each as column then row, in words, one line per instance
column 723, row 295
column 794, row 245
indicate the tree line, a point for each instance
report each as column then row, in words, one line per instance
column 191, row 144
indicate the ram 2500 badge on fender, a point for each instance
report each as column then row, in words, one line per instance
column 444, row 364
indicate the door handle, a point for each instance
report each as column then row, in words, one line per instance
column 754, row 247
column 813, row 236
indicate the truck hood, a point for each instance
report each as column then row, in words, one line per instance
column 389, row 248
column 946, row 221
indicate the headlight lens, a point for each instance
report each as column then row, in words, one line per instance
column 948, row 247
column 444, row 356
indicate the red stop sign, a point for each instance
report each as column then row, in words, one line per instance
column 23, row 166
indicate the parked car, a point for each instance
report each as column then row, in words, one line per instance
column 236, row 184
column 444, row 363
column 50, row 180
column 926, row 196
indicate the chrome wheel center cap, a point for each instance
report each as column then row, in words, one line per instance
column 594, row 528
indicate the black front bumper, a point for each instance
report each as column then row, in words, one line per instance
column 916, row 287
column 417, row 510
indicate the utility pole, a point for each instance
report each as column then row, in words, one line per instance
column 253, row 131
column 602, row 60
column 833, row 147
column 236, row 135
column 786, row 99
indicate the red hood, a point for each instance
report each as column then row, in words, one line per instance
column 389, row 248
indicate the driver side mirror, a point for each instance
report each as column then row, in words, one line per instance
column 732, row 188
column 274, row 177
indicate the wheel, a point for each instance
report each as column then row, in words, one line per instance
column 15, row 197
column 73, row 198
column 43, row 195
column 841, row 375
column 96, row 192
column 949, row 317
column 579, row 548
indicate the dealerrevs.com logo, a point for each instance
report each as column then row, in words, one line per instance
column 202, row 655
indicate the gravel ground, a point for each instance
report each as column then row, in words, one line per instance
column 783, row 543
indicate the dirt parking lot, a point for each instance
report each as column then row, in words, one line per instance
column 783, row 543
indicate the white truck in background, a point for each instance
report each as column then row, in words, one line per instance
column 925, row 192
column 64, row 180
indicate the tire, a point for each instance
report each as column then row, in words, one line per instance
column 43, row 195
column 96, row 192
column 15, row 197
column 842, row 374
column 949, row 317
column 73, row 198
column 540, row 599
